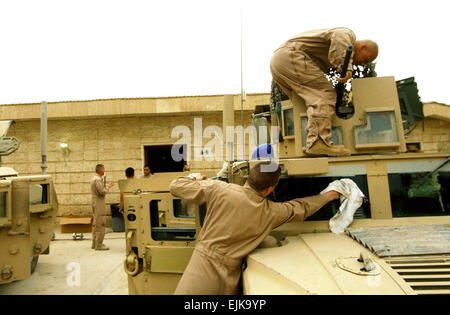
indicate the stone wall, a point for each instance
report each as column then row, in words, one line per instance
column 433, row 134
column 115, row 142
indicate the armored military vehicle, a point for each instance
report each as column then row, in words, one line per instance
column 399, row 243
column 28, row 208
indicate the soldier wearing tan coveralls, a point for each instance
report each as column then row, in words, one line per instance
column 238, row 219
column 299, row 66
column 99, row 189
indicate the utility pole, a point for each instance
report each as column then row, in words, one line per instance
column 242, row 93
column 44, row 136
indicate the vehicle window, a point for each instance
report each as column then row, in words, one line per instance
column 39, row 194
column 3, row 196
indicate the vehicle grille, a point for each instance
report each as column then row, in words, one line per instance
column 425, row 274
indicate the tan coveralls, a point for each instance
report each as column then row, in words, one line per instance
column 299, row 65
column 237, row 220
column 98, row 191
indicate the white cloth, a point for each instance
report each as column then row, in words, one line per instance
column 351, row 199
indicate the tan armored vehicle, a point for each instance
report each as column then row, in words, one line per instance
column 28, row 208
column 397, row 244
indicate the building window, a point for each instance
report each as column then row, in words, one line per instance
column 159, row 157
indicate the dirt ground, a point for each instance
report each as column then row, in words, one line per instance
column 73, row 268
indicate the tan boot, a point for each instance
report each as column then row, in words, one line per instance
column 320, row 148
column 102, row 247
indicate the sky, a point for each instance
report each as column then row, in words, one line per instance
column 61, row 50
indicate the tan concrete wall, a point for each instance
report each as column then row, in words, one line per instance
column 437, row 111
column 112, row 132
column 115, row 142
column 434, row 134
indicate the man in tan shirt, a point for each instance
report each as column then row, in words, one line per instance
column 299, row 66
column 147, row 171
column 238, row 219
column 99, row 188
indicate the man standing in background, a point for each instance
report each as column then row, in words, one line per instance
column 99, row 188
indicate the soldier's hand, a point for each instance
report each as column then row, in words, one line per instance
column 347, row 77
column 331, row 195
column 200, row 177
column 110, row 184
column 197, row 176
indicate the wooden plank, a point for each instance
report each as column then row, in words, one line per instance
column 408, row 237
column 404, row 240
column 400, row 228
column 414, row 247
column 75, row 220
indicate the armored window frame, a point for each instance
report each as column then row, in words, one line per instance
column 45, row 202
column 283, row 122
column 5, row 189
column 394, row 129
column 162, row 232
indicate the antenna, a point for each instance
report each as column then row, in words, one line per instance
column 242, row 93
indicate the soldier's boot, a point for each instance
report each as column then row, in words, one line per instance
column 102, row 247
column 320, row 148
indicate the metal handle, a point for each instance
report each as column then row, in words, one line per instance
column 131, row 260
column 367, row 262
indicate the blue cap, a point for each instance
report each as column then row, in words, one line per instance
column 264, row 151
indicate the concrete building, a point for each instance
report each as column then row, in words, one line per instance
column 432, row 133
column 118, row 133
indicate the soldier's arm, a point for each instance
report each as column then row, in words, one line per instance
column 301, row 208
column 340, row 40
column 189, row 189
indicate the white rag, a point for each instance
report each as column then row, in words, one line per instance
column 351, row 199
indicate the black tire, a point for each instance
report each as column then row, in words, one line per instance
column 34, row 262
